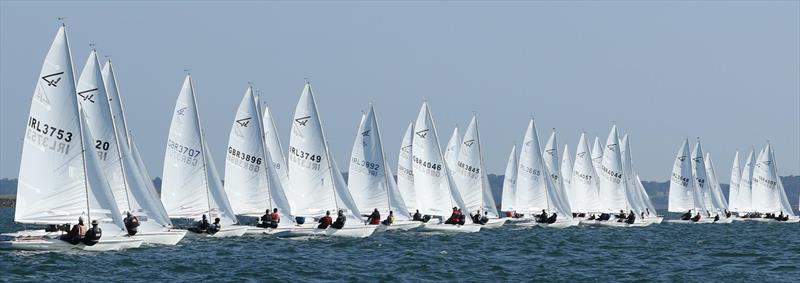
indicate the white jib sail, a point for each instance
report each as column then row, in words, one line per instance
column 746, row 183
column 786, row 208
column 405, row 173
column 369, row 178
column 551, row 161
column 566, row 172
column 273, row 143
column 703, row 191
column 717, row 198
column 509, row 197
column 452, row 150
column 766, row 195
column 597, row 155
column 99, row 198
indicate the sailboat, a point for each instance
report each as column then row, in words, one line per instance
column 273, row 143
column 745, row 192
column 551, row 162
column 536, row 191
column 316, row 183
column 251, row 182
column 769, row 196
column 370, row 179
column 101, row 104
column 584, row 192
column 435, row 188
column 405, row 173
column 471, row 177
column 191, row 186
column 636, row 194
column 58, row 142
column 686, row 192
column 614, row 188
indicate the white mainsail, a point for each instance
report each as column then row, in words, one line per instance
column 535, row 188
column 73, row 185
column 717, row 198
column 701, row 179
column 550, row 157
column 248, row 183
column 405, row 173
column 470, row 173
column 733, row 189
column 191, row 186
column 509, row 197
column 584, row 193
column 681, row 182
column 638, row 199
column 436, row 194
column 369, row 178
column 315, row 183
column 452, row 150
column 613, row 186
column 786, row 208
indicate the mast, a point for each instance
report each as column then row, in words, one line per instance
column 202, row 145
column 386, row 173
column 480, row 156
column 116, row 140
column 85, row 175
column 257, row 101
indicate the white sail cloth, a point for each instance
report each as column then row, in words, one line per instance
column 405, row 173
column 509, row 198
column 535, row 188
column 470, row 173
column 583, row 192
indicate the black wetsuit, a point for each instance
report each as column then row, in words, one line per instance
column 92, row 236
column 339, row 223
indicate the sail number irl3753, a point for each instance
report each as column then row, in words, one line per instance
column 47, row 136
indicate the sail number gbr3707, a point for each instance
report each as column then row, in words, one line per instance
column 183, row 154
column 305, row 159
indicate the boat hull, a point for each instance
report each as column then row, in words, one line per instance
column 399, row 226
column 169, row 237
column 50, row 242
column 441, row 227
column 559, row 224
column 225, row 231
column 351, row 232
column 495, row 223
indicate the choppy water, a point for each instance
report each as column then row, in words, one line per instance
column 738, row 252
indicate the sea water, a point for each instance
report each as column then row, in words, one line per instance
column 742, row 251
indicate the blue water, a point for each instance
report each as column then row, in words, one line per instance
column 742, row 251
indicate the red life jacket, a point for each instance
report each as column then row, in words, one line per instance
column 374, row 220
column 327, row 220
column 275, row 217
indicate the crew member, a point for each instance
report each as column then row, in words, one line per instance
column 325, row 221
column 374, row 218
column 77, row 233
column 389, row 219
column 340, row 219
column 131, row 224
column 93, row 235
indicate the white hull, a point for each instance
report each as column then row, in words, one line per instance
column 225, row 231
column 560, row 223
column 170, row 237
column 399, row 226
column 38, row 240
column 614, row 223
column 495, row 223
column 352, row 231
column 702, row 221
column 439, row 227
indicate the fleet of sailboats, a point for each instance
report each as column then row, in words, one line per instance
column 78, row 135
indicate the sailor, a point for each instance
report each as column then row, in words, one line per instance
column 201, row 226
column 389, row 219
column 631, row 218
column 264, row 221
column 709, row 213
column 727, row 213
column 696, row 217
column 453, row 217
column 621, row 214
column 131, row 223
column 687, row 215
column 93, row 235
column 214, row 228
column 417, row 216
column 592, row 217
column 325, row 221
column 374, row 218
column 542, row 217
column 647, row 210
column 477, row 217
column 716, row 217
column 552, row 218
column 77, row 233
column 485, row 218
column 461, row 218
column 642, row 214
column 604, row 217
column 275, row 218
column 340, row 219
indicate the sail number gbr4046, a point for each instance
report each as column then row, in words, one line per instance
column 305, row 159
column 431, row 168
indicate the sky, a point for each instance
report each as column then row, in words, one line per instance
column 663, row 71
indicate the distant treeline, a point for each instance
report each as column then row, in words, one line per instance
column 658, row 191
